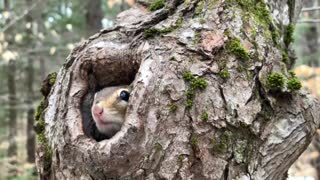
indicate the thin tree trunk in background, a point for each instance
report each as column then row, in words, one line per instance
column 12, row 150
column 30, row 113
column 42, row 67
column 11, row 73
column 6, row 5
column 122, row 5
column 312, row 45
column 311, row 35
column 94, row 16
column 30, row 96
column 41, row 30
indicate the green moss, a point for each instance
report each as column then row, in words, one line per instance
column 190, row 93
column 38, row 117
column 173, row 107
column 235, row 47
column 189, row 103
column 158, row 147
column 199, row 83
column 194, row 141
column 151, row 32
column 48, row 83
column 223, row 143
column 254, row 32
column 257, row 10
column 41, row 138
column 180, row 157
column 179, row 22
column 285, row 57
column 275, row 36
column 227, row 33
column 196, row 39
column 39, row 110
column 148, row 33
column 157, row 4
column 294, row 84
column 199, row 7
column 249, row 75
column 172, row 58
column 222, row 63
column 288, row 35
column 195, row 83
column 39, row 126
column 240, row 68
column 224, row 74
column 188, row 76
column 202, row 21
column 292, row 73
column 47, row 158
column 205, row 116
column 275, row 81
column 40, row 122
column 52, row 78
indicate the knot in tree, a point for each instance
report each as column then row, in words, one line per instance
column 211, row 96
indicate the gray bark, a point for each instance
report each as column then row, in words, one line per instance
column 235, row 129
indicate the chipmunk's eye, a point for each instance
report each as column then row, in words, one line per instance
column 124, row 95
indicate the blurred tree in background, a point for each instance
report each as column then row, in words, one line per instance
column 307, row 69
column 35, row 38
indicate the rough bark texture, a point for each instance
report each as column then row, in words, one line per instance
column 201, row 106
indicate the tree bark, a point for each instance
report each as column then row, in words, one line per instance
column 202, row 104
column 30, row 93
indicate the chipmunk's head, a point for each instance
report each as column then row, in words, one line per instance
column 109, row 108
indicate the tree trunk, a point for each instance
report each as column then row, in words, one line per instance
column 311, row 36
column 30, row 94
column 40, row 30
column 94, row 16
column 211, row 96
column 12, row 149
column 11, row 74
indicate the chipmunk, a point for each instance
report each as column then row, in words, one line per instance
column 109, row 108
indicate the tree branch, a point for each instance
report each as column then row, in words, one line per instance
column 18, row 18
column 310, row 9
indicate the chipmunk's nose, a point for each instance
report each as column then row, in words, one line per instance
column 97, row 110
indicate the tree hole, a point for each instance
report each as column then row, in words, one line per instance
column 104, row 105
